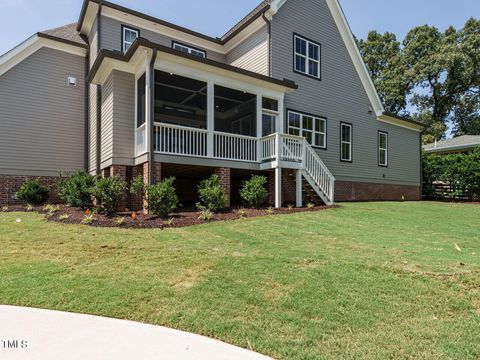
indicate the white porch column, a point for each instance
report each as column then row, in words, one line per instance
column 259, row 125
column 210, row 117
column 278, row 187
column 298, row 188
column 148, row 107
column 280, row 126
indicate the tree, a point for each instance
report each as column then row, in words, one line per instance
column 383, row 57
column 439, row 72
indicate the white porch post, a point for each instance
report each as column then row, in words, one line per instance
column 280, row 126
column 278, row 187
column 259, row 125
column 148, row 108
column 298, row 188
column 210, row 117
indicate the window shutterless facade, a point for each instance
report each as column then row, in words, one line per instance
column 189, row 49
column 307, row 55
column 346, row 142
column 313, row 128
column 128, row 37
column 382, row 148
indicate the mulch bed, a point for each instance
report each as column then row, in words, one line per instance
column 68, row 215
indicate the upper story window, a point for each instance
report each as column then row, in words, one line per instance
column 382, row 148
column 128, row 37
column 313, row 128
column 307, row 56
column 188, row 49
column 346, row 134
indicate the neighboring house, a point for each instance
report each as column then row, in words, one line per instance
column 284, row 93
column 460, row 144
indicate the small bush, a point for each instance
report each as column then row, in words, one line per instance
column 64, row 217
column 170, row 222
column 161, row 197
column 51, row 208
column 241, row 213
column 120, row 221
column 254, row 192
column 76, row 190
column 310, row 205
column 33, row 192
column 270, row 211
column 29, row 207
column 206, row 215
column 4, row 208
column 290, row 207
column 108, row 192
column 212, row 196
column 88, row 219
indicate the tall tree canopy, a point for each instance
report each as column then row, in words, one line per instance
column 433, row 75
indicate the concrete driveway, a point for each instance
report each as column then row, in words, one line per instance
column 33, row 334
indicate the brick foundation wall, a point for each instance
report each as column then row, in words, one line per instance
column 363, row 191
column 10, row 184
column 225, row 176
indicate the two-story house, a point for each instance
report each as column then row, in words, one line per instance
column 283, row 93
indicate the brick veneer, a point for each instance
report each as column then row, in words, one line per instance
column 121, row 172
column 10, row 184
column 288, row 188
column 364, row 191
column 225, row 176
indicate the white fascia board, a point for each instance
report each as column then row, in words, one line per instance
column 401, row 123
column 243, row 35
column 89, row 19
column 30, row 46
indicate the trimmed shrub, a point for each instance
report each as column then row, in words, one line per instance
column 76, row 190
column 33, row 192
column 161, row 197
column 109, row 192
column 254, row 192
column 212, row 196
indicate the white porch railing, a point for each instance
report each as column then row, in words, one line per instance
column 180, row 140
column 288, row 150
column 234, row 147
column 140, row 140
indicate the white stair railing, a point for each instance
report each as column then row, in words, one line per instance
column 319, row 173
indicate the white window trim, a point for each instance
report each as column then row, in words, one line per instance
column 350, row 143
column 307, row 57
column 380, row 149
column 190, row 49
column 125, row 42
column 314, row 131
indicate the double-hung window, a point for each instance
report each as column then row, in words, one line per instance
column 313, row 128
column 189, row 50
column 346, row 135
column 128, row 37
column 382, row 148
column 306, row 57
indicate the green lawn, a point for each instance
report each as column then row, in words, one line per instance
column 367, row 280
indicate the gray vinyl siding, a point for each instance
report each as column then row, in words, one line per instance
column 41, row 117
column 253, row 53
column 340, row 97
column 118, row 119
column 111, row 37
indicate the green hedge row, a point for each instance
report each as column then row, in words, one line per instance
column 460, row 171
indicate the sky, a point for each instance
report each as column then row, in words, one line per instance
column 22, row 18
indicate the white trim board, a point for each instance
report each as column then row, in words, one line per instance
column 32, row 45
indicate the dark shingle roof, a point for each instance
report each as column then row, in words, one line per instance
column 68, row 33
column 461, row 142
column 263, row 6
